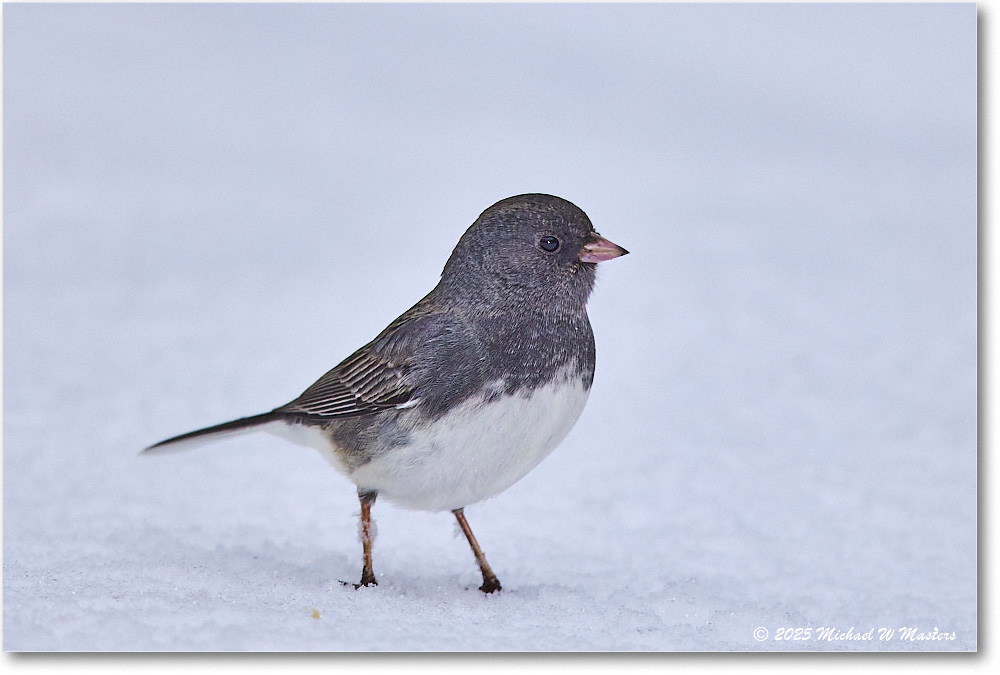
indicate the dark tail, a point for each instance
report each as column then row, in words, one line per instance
column 225, row 427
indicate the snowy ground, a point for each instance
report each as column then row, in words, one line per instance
column 207, row 207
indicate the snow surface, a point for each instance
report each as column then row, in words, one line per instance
column 206, row 207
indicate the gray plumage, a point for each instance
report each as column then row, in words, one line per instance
column 505, row 326
column 502, row 310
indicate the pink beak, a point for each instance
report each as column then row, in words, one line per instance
column 599, row 249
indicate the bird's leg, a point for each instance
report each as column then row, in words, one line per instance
column 367, row 498
column 490, row 581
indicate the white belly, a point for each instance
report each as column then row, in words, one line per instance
column 476, row 451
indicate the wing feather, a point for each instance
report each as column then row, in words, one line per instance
column 372, row 379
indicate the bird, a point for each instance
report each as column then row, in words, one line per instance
column 468, row 390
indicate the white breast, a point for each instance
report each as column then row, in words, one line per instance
column 477, row 450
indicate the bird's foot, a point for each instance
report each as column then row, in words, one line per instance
column 490, row 585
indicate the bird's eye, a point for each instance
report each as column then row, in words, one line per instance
column 549, row 243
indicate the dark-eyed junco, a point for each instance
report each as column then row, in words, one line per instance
column 470, row 388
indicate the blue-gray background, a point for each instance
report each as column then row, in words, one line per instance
column 206, row 207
